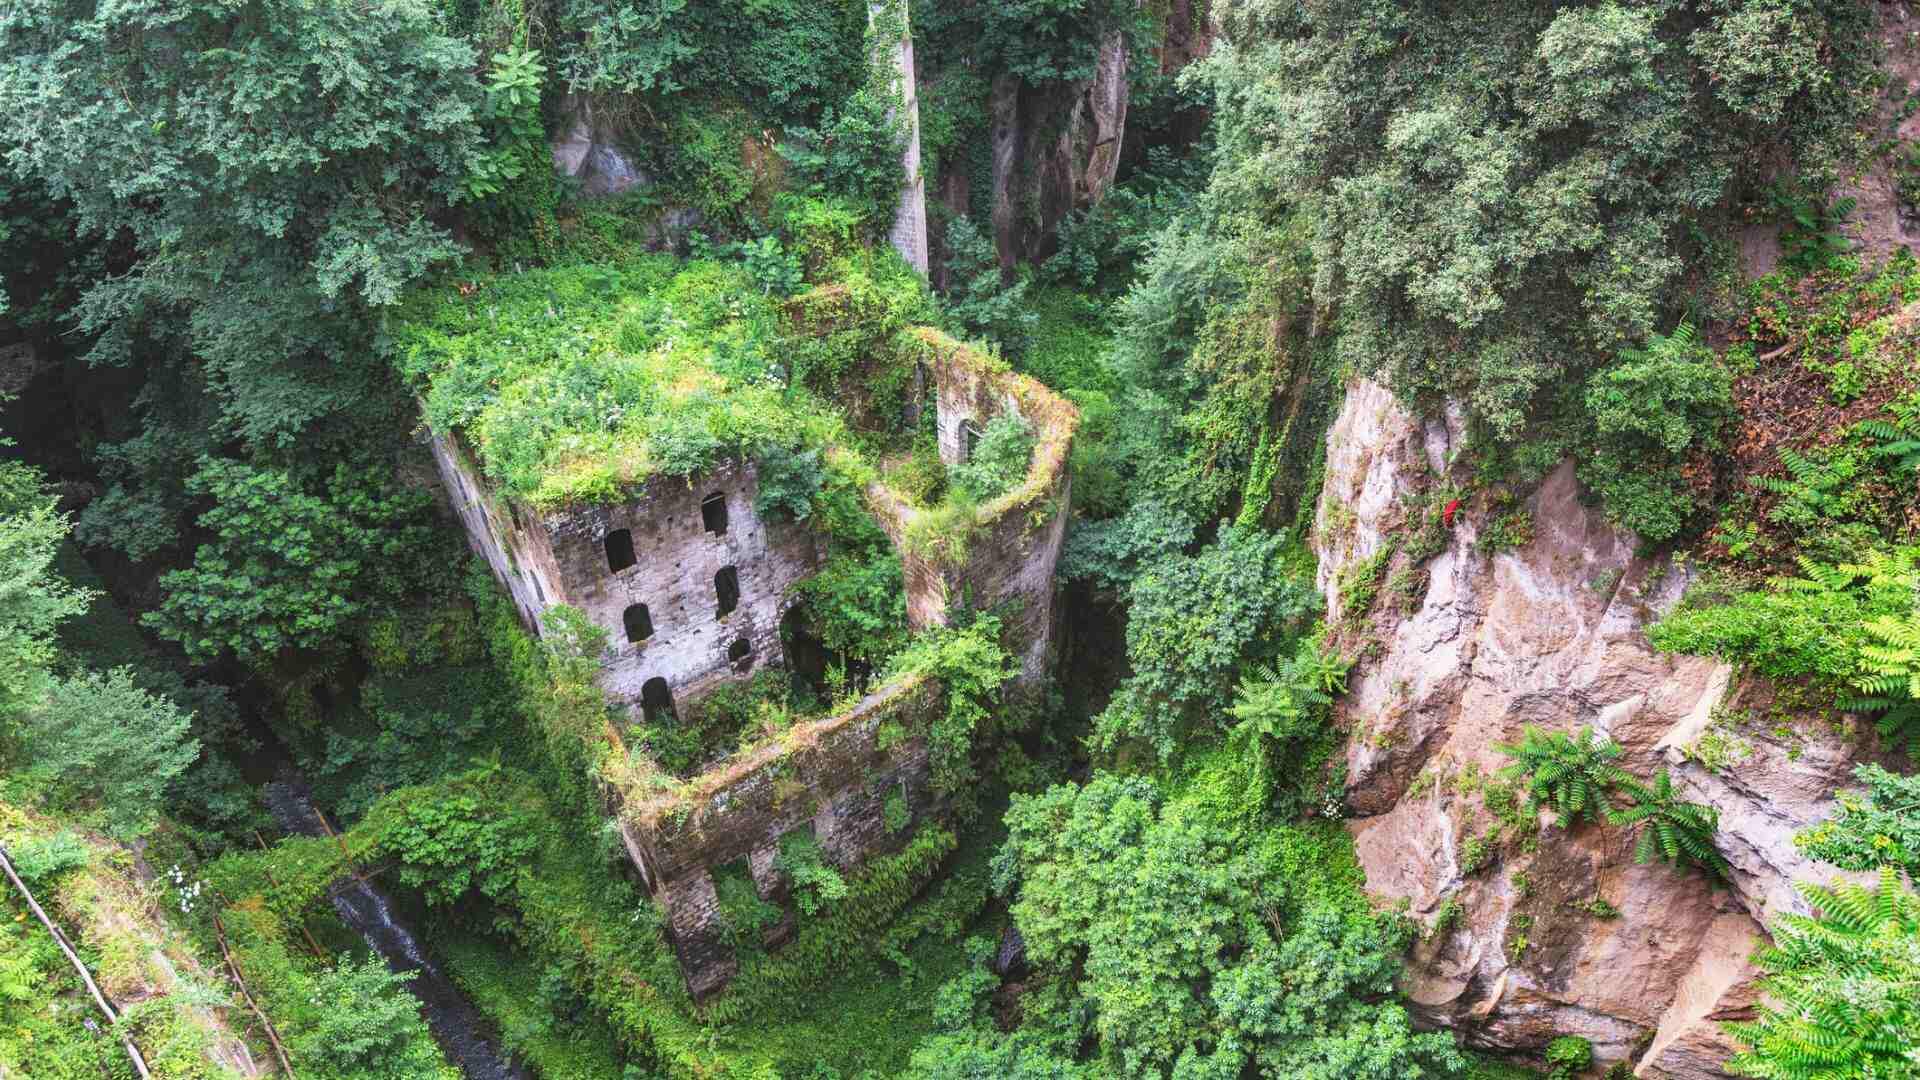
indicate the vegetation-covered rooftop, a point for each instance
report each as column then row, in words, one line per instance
column 574, row 383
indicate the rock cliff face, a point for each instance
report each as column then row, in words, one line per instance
column 1537, row 934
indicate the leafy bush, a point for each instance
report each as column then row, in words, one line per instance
column 1290, row 701
column 361, row 1024
column 854, row 153
column 1649, row 412
column 970, row 662
column 38, row 599
column 1567, row 1057
column 980, row 302
column 1814, row 625
column 998, row 463
column 295, row 564
column 1111, row 552
column 1192, row 942
column 1881, row 831
column 857, row 604
column 105, row 740
column 788, row 480
column 1839, row 987
column 1193, row 620
column 816, row 884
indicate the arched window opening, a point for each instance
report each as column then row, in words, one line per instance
column 639, row 623
column 726, row 586
column 969, row 439
column 538, row 592
column 656, row 701
column 619, row 549
column 740, row 655
column 713, row 512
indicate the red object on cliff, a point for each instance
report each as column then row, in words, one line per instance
column 1447, row 514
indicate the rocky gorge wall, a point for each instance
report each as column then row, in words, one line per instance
column 1534, row 935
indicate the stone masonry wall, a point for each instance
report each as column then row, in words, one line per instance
column 676, row 560
column 831, row 777
column 520, row 558
column 1012, row 544
column 561, row 557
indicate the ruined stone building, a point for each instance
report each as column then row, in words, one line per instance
column 691, row 584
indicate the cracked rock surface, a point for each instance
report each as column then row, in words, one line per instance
column 1571, row 937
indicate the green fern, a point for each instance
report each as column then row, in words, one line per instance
column 1571, row 774
column 1840, row 987
column 1671, row 829
column 1895, row 442
column 1816, row 488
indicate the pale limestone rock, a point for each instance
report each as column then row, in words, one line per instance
column 1553, row 634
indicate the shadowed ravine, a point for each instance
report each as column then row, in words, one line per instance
column 463, row 1034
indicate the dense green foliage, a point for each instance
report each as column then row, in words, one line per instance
column 1193, row 620
column 1504, row 191
column 1184, row 942
column 103, row 740
column 277, row 165
column 1650, row 412
column 288, row 566
column 34, row 600
column 244, row 241
column 1839, row 987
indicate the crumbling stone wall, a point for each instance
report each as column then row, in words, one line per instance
column 831, row 777
column 1012, row 543
column 520, row 558
column 676, row 563
column 561, row 558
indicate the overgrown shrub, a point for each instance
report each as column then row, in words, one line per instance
column 1193, row 620
column 998, row 463
column 1650, row 412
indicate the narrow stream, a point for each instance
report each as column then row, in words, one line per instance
column 456, row 1025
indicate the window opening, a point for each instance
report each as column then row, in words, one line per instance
column 619, row 549
column 656, row 701
column 969, row 439
column 726, row 586
column 639, row 623
column 740, row 655
column 537, row 590
column 713, row 512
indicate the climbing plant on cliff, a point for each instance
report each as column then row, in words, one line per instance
column 1840, row 986
column 1881, row 830
column 1507, row 192
column 1671, row 829
column 1569, row 774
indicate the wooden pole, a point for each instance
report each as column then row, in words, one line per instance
column 60, row 939
column 240, row 980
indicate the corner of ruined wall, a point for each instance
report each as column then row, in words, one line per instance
column 1011, row 544
column 833, row 776
column 521, row 558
